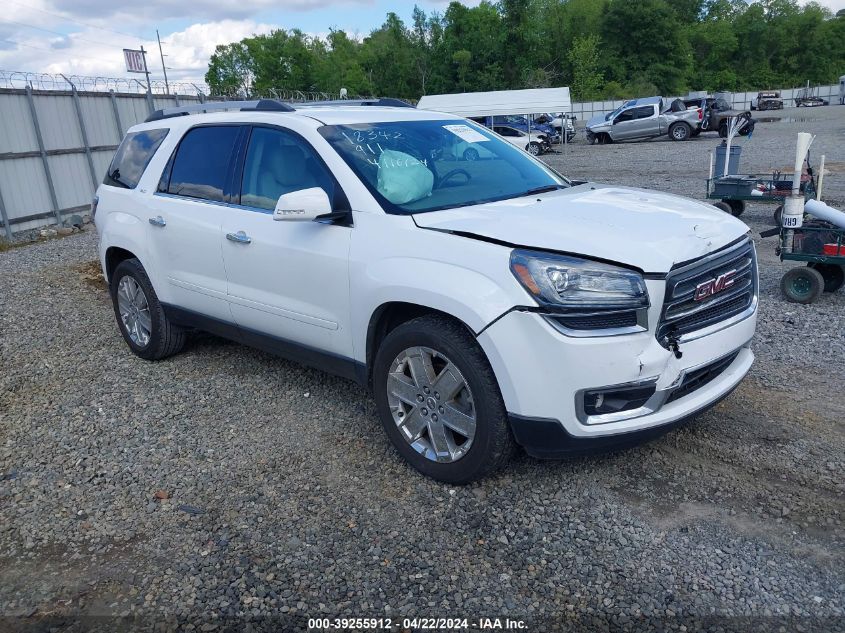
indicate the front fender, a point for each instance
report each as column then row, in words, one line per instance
column 474, row 284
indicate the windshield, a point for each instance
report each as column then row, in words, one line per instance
column 610, row 115
column 421, row 166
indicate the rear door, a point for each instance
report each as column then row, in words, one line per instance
column 187, row 212
column 288, row 280
column 646, row 121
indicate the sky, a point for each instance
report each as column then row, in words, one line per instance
column 86, row 37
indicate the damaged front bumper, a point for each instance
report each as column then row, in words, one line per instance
column 611, row 386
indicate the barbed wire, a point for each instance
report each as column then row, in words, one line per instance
column 57, row 81
column 20, row 79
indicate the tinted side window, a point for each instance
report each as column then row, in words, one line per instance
column 202, row 162
column 132, row 157
column 627, row 115
column 277, row 163
column 644, row 112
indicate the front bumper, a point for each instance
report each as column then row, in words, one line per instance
column 543, row 374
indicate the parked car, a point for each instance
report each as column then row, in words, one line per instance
column 842, row 90
column 717, row 115
column 645, row 118
column 486, row 306
column 767, row 100
column 532, row 142
column 520, row 122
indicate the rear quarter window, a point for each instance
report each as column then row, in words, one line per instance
column 132, row 157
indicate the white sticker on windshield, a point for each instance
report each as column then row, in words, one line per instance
column 466, row 133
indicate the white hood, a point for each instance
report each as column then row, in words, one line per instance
column 648, row 230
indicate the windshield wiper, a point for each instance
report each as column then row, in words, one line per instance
column 543, row 189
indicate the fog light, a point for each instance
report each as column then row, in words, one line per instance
column 600, row 402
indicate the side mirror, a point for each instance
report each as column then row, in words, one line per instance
column 303, row 205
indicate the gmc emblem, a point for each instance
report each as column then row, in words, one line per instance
column 714, row 286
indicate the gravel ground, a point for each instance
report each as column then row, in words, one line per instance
column 225, row 488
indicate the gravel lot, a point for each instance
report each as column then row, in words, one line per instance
column 283, row 500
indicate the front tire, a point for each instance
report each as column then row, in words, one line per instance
column 534, row 148
column 140, row 316
column 439, row 401
column 471, row 154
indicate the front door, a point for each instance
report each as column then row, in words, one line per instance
column 288, row 280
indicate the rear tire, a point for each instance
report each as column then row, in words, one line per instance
column 679, row 132
column 832, row 274
column 723, row 130
column 802, row 285
column 415, row 375
column 737, row 207
column 470, row 154
column 723, row 206
column 534, row 148
column 778, row 215
column 140, row 316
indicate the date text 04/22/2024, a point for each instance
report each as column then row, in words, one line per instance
column 416, row 624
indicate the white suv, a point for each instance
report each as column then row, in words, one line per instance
column 486, row 303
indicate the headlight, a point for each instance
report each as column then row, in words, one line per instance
column 578, row 284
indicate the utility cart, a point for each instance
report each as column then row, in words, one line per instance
column 822, row 246
column 733, row 192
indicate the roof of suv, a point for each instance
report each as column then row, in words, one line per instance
column 327, row 113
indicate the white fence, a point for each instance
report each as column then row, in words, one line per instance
column 55, row 147
column 589, row 109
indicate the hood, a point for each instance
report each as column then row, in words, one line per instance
column 597, row 121
column 645, row 229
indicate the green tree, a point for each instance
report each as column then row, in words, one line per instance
column 586, row 76
column 646, row 43
column 231, row 70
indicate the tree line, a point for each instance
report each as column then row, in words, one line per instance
column 602, row 49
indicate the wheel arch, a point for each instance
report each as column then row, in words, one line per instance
column 390, row 315
column 114, row 255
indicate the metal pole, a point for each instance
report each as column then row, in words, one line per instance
column 83, row 132
column 163, row 68
column 53, row 198
column 5, row 217
column 150, row 102
column 117, row 122
column 821, row 179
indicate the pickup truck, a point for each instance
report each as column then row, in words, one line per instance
column 717, row 115
column 645, row 118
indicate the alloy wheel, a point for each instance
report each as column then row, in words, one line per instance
column 431, row 404
column 134, row 311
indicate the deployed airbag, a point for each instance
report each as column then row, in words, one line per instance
column 403, row 178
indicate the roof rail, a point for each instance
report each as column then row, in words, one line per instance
column 386, row 102
column 266, row 105
column 269, row 105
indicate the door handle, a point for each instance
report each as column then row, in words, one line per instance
column 158, row 221
column 240, row 237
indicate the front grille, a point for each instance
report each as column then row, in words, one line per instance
column 682, row 313
column 697, row 378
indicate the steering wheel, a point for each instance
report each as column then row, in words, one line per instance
column 451, row 174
